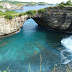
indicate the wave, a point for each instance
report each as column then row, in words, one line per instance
column 67, row 43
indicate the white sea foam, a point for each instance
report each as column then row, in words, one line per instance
column 67, row 43
column 67, row 61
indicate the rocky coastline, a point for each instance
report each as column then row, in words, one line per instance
column 56, row 19
column 9, row 6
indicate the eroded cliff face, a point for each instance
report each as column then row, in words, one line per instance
column 8, row 26
column 55, row 19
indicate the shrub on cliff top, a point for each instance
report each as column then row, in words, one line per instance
column 50, row 7
column 21, row 14
column 33, row 12
column 68, row 2
column 1, row 6
column 7, row 11
column 42, row 11
column 10, row 12
column 8, row 17
column 60, row 6
column 0, row 11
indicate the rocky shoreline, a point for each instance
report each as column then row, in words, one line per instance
column 55, row 19
column 9, row 6
column 10, row 34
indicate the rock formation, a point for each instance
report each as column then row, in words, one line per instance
column 59, row 19
column 8, row 26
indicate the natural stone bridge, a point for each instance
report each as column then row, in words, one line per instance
column 58, row 19
column 54, row 19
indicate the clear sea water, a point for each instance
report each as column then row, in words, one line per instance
column 24, row 49
column 27, row 8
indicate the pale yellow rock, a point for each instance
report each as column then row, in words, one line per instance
column 10, row 26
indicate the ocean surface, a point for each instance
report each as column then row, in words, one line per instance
column 34, row 47
column 27, row 8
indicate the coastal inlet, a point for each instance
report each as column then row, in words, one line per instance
column 25, row 47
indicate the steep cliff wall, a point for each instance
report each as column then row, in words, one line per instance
column 59, row 19
column 8, row 26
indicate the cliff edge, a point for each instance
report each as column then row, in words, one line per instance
column 9, row 26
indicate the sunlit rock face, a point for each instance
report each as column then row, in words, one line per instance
column 9, row 6
column 8, row 26
column 59, row 19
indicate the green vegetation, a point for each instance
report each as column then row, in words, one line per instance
column 32, row 3
column 7, row 12
column 21, row 14
column 0, row 11
column 61, row 6
column 9, row 17
column 41, row 10
column 42, row 3
column 67, row 4
column 31, row 12
column 50, row 7
column 1, row 6
column 10, row 12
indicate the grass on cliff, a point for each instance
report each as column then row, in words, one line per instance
column 7, row 12
column 21, row 14
column 39, row 68
column 63, row 4
column 1, row 6
column 9, row 16
column 42, row 10
column 30, row 12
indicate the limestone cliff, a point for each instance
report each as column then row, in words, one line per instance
column 8, row 26
column 59, row 19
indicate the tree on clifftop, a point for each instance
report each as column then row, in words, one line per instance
column 68, row 2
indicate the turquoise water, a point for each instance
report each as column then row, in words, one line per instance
column 25, row 47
